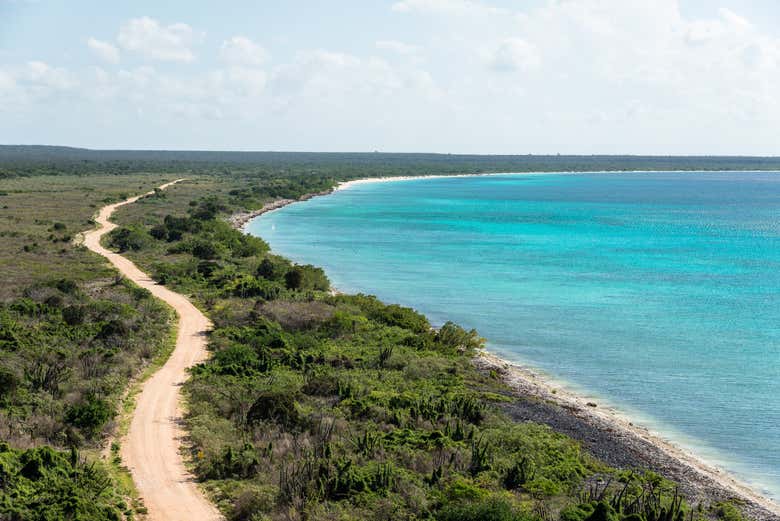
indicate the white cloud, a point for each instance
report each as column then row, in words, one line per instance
column 397, row 47
column 7, row 81
column 323, row 80
column 41, row 74
column 241, row 81
column 515, row 54
column 149, row 38
column 727, row 24
column 448, row 7
column 104, row 50
column 139, row 77
column 588, row 76
column 240, row 50
column 321, row 58
column 34, row 83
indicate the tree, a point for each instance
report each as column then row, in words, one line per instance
column 126, row 239
column 204, row 249
column 306, row 278
column 293, row 279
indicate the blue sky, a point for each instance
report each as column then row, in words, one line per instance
column 460, row 76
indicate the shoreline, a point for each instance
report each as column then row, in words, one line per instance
column 370, row 180
column 613, row 438
column 241, row 219
column 604, row 432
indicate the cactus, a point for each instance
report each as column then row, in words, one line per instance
column 481, row 454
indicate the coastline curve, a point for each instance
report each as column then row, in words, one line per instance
column 704, row 479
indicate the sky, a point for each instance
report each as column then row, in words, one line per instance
column 451, row 76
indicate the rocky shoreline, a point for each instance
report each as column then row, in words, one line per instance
column 619, row 443
column 241, row 219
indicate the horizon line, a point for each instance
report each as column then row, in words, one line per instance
column 382, row 152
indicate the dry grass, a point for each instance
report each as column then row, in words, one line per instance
column 40, row 217
column 297, row 315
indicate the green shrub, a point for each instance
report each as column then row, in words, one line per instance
column 9, row 382
column 579, row 512
column 248, row 246
column 463, row 488
column 248, row 286
column 452, row 337
column 66, row 286
column 391, row 315
column 728, row 512
column 603, row 512
column 128, row 239
column 237, row 360
column 90, row 414
column 306, row 278
column 232, row 463
column 42, row 484
column 205, row 249
column 486, row 510
column 272, row 268
column 74, row 315
column 207, row 208
column 276, row 406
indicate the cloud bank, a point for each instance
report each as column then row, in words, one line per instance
column 591, row 76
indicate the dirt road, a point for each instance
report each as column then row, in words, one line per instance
column 151, row 448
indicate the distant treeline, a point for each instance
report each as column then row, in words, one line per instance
column 29, row 160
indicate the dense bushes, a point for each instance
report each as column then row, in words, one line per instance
column 492, row 509
column 65, row 355
column 89, row 415
column 306, row 278
column 278, row 407
column 223, row 260
column 42, row 484
column 391, row 315
column 373, row 421
column 125, row 239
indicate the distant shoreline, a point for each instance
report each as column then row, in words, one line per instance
column 605, row 432
column 241, row 219
column 370, row 180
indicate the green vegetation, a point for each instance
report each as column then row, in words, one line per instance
column 72, row 335
column 42, row 484
column 64, row 353
column 323, row 406
column 37, row 160
column 314, row 405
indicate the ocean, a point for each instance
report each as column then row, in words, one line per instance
column 656, row 293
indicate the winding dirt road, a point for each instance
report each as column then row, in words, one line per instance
column 151, row 448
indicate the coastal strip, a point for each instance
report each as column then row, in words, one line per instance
column 603, row 432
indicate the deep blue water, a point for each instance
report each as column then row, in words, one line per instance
column 656, row 292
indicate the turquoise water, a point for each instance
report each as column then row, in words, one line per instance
column 657, row 292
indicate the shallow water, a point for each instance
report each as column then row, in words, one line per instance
column 657, row 292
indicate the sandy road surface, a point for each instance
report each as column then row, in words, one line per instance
column 151, row 448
